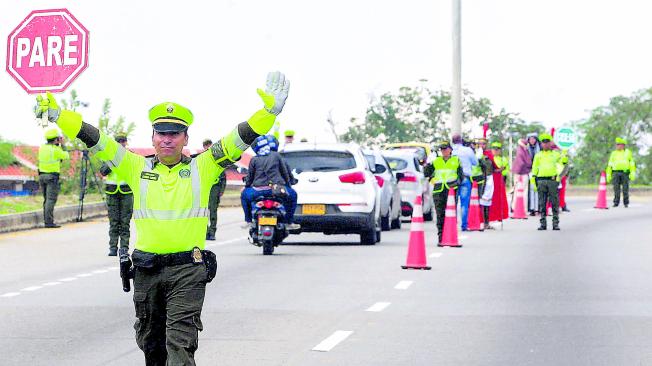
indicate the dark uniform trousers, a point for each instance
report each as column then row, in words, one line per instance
column 485, row 209
column 168, row 305
column 548, row 192
column 121, row 207
column 441, row 199
column 50, row 187
column 620, row 178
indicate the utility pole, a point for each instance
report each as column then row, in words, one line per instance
column 456, row 92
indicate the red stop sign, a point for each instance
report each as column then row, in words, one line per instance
column 47, row 51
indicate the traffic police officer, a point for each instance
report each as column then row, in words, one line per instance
column 289, row 136
column 120, row 201
column 621, row 168
column 547, row 169
column 501, row 161
column 217, row 190
column 50, row 156
column 445, row 172
column 171, row 212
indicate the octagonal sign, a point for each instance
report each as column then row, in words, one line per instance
column 47, row 51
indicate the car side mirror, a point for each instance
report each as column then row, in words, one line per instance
column 399, row 176
column 380, row 169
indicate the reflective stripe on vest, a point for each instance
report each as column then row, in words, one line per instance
column 196, row 211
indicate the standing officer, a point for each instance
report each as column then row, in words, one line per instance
column 171, row 213
column 289, row 136
column 501, row 161
column 50, row 156
column 547, row 169
column 120, row 200
column 217, row 190
column 622, row 168
column 445, row 172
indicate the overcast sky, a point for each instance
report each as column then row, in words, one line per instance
column 550, row 61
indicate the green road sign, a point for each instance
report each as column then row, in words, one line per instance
column 565, row 137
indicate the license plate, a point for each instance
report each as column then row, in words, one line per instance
column 314, row 210
column 263, row 221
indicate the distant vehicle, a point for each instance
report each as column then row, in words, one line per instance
column 422, row 150
column 390, row 195
column 269, row 223
column 337, row 192
column 412, row 184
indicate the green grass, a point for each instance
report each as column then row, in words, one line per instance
column 14, row 205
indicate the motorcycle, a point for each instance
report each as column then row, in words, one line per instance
column 269, row 227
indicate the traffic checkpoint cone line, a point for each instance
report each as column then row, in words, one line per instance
column 416, row 256
column 449, row 236
column 519, row 206
column 601, row 202
column 474, row 210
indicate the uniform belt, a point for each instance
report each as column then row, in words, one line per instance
column 53, row 173
column 547, row 178
column 621, row 171
column 151, row 260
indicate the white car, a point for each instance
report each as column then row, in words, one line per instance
column 337, row 192
column 412, row 183
column 390, row 195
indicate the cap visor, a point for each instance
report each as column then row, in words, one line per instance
column 169, row 127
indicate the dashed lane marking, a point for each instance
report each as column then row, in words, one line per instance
column 403, row 285
column 98, row 271
column 51, row 283
column 68, row 279
column 436, row 255
column 32, row 288
column 10, row 294
column 84, row 275
column 378, row 307
column 226, row 242
column 332, row 341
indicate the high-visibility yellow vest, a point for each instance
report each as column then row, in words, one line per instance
column 502, row 163
column 621, row 160
column 49, row 158
column 170, row 204
column 114, row 184
column 445, row 172
column 476, row 173
column 548, row 163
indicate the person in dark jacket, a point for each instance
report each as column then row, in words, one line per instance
column 267, row 169
column 217, row 190
column 533, row 147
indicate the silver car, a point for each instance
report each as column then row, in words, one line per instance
column 412, row 183
column 390, row 196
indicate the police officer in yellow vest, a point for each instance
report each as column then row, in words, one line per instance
column 548, row 168
column 50, row 156
column 171, row 213
column 501, row 161
column 120, row 202
column 217, row 190
column 621, row 168
column 445, row 172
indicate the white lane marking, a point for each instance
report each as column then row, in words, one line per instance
column 32, row 288
column 84, row 275
column 100, row 271
column 403, row 285
column 112, row 268
column 67, row 279
column 463, row 237
column 378, row 307
column 436, row 255
column 51, row 283
column 10, row 294
column 227, row 241
column 332, row 341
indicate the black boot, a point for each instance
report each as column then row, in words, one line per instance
column 555, row 227
column 113, row 252
column 542, row 227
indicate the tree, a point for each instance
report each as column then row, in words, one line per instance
column 6, row 156
column 627, row 117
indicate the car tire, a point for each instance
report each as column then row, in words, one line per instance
column 384, row 222
column 371, row 235
column 396, row 223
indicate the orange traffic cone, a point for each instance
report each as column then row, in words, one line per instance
column 519, row 206
column 474, row 210
column 602, row 193
column 416, row 257
column 449, row 236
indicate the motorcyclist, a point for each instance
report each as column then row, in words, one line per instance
column 266, row 169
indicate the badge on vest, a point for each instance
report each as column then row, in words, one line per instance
column 196, row 255
column 184, row 173
column 149, row 175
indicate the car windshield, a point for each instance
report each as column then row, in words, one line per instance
column 396, row 163
column 319, row 161
column 419, row 151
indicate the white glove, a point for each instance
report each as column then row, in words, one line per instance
column 276, row 92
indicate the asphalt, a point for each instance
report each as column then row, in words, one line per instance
column 516, row 296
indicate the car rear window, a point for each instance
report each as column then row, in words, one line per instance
column 418, row 150
column 396, row 163
column 319, row 161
